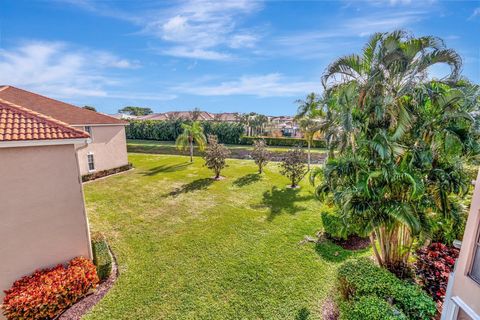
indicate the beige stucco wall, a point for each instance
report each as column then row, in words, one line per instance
column 109, row 148
column 42, row 211
column 464, row 287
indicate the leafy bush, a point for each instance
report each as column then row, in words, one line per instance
column 101, row 256
column 369, row 307
column 215, row 156
column 335, row 227
column 46, row 293
column 433, row 267
column 283, row 142
column 359, row 278
column 169, row 130
column 293, row 165
column 260, row 154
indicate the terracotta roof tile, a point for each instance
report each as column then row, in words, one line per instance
column 18, row 123
column 56, row 109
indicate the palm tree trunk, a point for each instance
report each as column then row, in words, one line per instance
column 191, row 151
column 308, row 155
column 374, row 246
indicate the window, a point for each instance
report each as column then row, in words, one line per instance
column 88, row 129
column 91, row 162
column 475, row 269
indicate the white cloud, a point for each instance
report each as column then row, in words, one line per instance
column 197, row 29
column 268, row 85
column 60, row 70
column 476, row 13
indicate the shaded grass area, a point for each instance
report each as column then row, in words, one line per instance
column 236, row 151
column 189, row 247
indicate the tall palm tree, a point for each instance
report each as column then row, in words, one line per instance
column 400, row 151
column 191, row 134
column 309, row 128
column 310, row 107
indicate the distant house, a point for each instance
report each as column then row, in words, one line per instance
column 463, row 293
column 107, row 149
column 42, row 212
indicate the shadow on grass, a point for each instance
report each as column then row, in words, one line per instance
column 303, row 314
column 246, row 180
column 283, row 201
column 166, row 168
column 332, row 252
column 199, row 184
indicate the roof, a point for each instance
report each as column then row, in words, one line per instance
column 21, row 124
column 59, row 110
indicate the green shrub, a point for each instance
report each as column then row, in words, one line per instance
column 169, row 130
column 101, row 256
column 334, row 226
column 369, row 307
column 284, row 142
column 358, row 278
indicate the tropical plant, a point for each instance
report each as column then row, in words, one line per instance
column 309, row 128
column 293, row 166
column 402, row 141
column 191, row 134
column 260, row 154
column 310, row 107
column 215, row 156
column 136, row 111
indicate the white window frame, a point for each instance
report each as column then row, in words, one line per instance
column 476, row 245
column 93, row 162
column 453, row 307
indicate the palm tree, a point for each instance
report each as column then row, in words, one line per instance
column 309, row 127
column 191, row 134
column 310, row 107
column 401, row 140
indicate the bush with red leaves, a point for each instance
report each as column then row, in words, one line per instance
column 433, row 266
column 46, row 293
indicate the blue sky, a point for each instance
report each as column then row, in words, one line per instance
column 220, row 56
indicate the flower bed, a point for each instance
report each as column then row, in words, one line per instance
column 46, row 293
column 433, row 267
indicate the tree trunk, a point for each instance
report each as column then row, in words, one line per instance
column 374, row 246
column 191, row 151
column 308, row 155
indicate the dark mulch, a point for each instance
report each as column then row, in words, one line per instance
column 353, row 243
column 83, row 306
column 330, row 310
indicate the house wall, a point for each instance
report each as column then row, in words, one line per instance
column 42, row 211
column 464, row 287
column 109, row 148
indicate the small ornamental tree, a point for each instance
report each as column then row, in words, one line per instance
column 260, row 154
column 293, row 165
column 215, row 155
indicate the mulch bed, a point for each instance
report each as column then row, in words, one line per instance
column 330, row 310
column 80, row 308
column 353, row 243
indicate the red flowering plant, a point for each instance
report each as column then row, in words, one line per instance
column 433, row 266
column 46, row 293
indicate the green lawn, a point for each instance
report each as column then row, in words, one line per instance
column 189, row 247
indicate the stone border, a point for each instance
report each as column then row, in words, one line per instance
column 79, row 309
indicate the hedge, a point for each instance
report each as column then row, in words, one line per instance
column 169, row 130
column 101, row 256
column 284, row 142
column 360, row 278
column 46, row 293
column 371, row 308
column 335, row 227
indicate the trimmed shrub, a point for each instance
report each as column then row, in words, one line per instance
column 433, row 267
column 46, row 293
column 169, row 130
column 359, row 278
column 284, row 142
column 104, row 173
column 335, row 227
column 369, row 307
column 101, row 256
